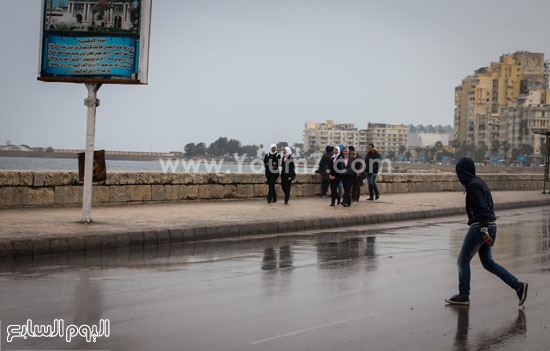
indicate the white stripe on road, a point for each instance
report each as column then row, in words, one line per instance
column 308, row 329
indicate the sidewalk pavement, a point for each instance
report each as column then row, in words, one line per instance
column 43, row 231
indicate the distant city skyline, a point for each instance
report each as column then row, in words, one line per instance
column 256, row 71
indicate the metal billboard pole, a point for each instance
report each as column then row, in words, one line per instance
column 546, row 133
column 91, row 102
column 94, row 58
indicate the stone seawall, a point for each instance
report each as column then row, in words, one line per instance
column 28, row 188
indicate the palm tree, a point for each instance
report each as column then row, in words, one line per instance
column 505, row 148
column 418, row 150
column 495, row 147
column 515, row 153
column 438, row 146
column 402, row 149
column 526, row 149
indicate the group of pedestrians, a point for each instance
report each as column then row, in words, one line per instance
column 342, row 167
column 276, row 166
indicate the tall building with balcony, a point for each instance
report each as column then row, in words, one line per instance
column 520, row 123
column 386, row 137
column 318, row 135
column 481, row 98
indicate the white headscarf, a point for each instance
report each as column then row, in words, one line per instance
column 337, row 154
column 288, row 152
column 271, row 147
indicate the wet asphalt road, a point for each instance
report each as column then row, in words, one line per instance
column 364, row 288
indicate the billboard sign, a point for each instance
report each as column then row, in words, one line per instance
column 101, row 41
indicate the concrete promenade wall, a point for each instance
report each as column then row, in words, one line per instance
column 45, row 188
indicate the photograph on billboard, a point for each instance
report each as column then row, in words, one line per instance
column 105, row 41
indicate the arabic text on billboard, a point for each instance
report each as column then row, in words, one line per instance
column 90, row 56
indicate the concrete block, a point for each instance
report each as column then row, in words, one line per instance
column 244, row 229
column 100, row 194
column 136, row 239
column 23, row 247
column 230, row 191
column 93, row 242
column 6, row 249
column 140, row 192
column 188, row 234
column 245, row 190
column 59, row 245
column 212, row 232
column 76, row 244
column 128, row 178
column 176, row 235
column 68, row 195
column 199, row 233
column 150, row 237
column 112, row 178
column 108, row 242
column 163, row 236
column 122, row 240
column 119, row 193
column 190, row 192
column 211, row 191
column 260, row 190
column 40, row 196
column 41, row 246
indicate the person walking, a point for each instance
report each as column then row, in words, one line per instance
column 334, row 176
column 481, row 236
column 348, row 176
column 372, row 160
column 271, row 164
column 323, row 169
column 340, row 185
column 358, row 168
column 287, row 172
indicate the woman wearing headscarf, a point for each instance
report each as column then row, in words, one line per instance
column 334, row 176
column 287, row 172
column 271, row 164
column 348, row 176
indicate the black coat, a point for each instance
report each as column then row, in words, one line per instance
column 333, row 166
column 372, row 159
column 273, row 162
column 347, row 170
column 359, row 166
column 287, row 169
column 479, row 202
column 324, row 164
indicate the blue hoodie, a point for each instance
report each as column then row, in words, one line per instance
column 479, row 202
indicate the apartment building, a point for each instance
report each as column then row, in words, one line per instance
column 318, row 135
column 482, row 98
column 387, row 137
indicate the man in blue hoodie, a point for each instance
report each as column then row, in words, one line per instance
column 481, row 236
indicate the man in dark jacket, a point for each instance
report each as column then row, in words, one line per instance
column 481, row 236
column 373, row 161
column 324, row 169
column 358, row 168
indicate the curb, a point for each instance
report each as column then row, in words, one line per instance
column 97, row 242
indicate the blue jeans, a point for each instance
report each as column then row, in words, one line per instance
column 473, row 242
column 372, row 184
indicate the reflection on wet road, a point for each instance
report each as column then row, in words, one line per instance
column 363, row 288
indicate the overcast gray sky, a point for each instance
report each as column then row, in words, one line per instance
column 256, row 70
